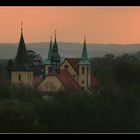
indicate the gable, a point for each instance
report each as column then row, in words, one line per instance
column 50, row 83
column 71, row 70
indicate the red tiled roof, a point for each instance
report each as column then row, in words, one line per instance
column 74, row 63
column 68, row 80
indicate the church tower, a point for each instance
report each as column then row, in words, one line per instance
column 21, row 73
column 55, row 58
column 47, row 61
column 84, row 69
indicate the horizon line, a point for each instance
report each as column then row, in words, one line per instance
column 73, row 42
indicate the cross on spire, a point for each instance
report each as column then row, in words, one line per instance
column 21, row 26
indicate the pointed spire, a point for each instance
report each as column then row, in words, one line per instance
column 84, row 40
column 55, row 46
column 55, row 58
column 50, row 49
column 55, row 35
column 50, row 52
column 21, row 57
column 84, row 57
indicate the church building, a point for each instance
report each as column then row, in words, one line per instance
column 73, row 74
column 21, row 73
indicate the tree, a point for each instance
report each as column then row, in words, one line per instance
column 109, row 56
column 8, row 67
column 35, row 62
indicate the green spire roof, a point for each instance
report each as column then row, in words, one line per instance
column 84, row 58
column 48, row 60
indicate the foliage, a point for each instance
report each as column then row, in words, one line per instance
column 114, row 108
column 35, row 62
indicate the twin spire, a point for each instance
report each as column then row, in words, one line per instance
column 53, row 50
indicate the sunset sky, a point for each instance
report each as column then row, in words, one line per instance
column 99, row 24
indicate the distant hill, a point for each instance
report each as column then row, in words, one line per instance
column 70, row 49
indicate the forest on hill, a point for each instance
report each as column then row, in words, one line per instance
column 114, row 108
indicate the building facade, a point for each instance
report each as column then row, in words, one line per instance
column 21, row 74
column 73, row 74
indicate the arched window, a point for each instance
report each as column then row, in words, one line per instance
column 83, row 70
column 19, row 77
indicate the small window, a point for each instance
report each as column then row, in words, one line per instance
column 19, row 77
column 83, row 70
column 74, row 75
column 83, row 81
column 66, row 67
column 49, row 69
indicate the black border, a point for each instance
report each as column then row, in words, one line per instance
column 70, row 3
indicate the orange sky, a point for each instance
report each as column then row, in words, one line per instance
column 99, row 24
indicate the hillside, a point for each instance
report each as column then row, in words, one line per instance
column 70, row 49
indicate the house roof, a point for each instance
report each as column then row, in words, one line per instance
column 74, row 62
column 68, row 81
column 22, row 67
column 65, row 78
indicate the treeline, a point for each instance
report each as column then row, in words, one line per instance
column 114, row 108
column 23, row 110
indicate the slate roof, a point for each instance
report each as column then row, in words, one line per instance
column 21, row 61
